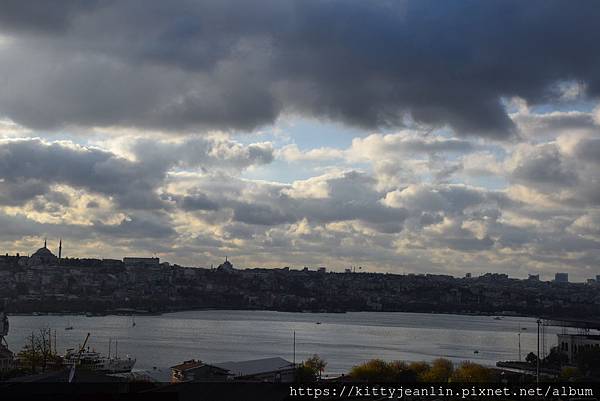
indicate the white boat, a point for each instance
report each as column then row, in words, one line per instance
column 92, row 360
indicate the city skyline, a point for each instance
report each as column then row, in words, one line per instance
column 409, row 137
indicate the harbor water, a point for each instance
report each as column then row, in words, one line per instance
column 342, row 339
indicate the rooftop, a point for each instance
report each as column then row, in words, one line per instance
column 186, row 365
column 255, row 366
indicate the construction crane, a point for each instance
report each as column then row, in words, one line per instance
column 72, row 372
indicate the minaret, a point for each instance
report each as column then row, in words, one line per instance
column 59, row 249
column 44, row 242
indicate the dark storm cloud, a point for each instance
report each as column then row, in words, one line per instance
column 204, row 152
column 238, row 65
column 568, row 176
column 32, row 166
column 545, row 167
column 28, row 168
column 352, row 196
column 260, row 215
column 42, row 16
column 589, row 150
column 152, row 225
column 197, row 202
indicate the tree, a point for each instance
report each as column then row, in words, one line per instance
column 373, row 370
column 316, row 364
column 440, row 372
column 377, row 370
column 419, row 369
column 304, row 374
column 401, row 372
column 470, row 372
column 531, row 358
column 556, row 358
column 37, row 351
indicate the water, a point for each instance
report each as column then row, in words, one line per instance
column 343, row 340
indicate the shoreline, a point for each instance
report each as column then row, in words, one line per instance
column 149, row 313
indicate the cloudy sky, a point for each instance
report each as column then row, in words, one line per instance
column 402, row 136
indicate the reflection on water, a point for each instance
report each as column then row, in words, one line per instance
column 343, row 340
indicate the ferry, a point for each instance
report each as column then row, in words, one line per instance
column 94, row 361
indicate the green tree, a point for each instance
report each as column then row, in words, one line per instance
column 555, row 358
column 316, row 364
column 531, row 358
column 304, row 374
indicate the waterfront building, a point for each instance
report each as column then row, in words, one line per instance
column 573, row 344
column 194, row 370
column 534, row 277
column 7, row 359
column 273, row 370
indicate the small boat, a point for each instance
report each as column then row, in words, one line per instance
column 318, row 323
column 133, row 321
column 476, row 352
column 497, row 318
column 69, row 328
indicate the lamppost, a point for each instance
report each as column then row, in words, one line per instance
column 521, row 329
column 537, row 370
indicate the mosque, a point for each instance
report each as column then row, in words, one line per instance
column 44, row 256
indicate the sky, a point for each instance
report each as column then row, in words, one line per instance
column 399, row 136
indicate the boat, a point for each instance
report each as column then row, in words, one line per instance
column 94, row 361
column 69, row 328
column 318, row 323
column 85, row 359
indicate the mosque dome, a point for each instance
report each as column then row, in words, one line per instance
column 42, row 256
column 43, row 253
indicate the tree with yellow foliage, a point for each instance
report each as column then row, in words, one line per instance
column 470, row 372
column 441, row 371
